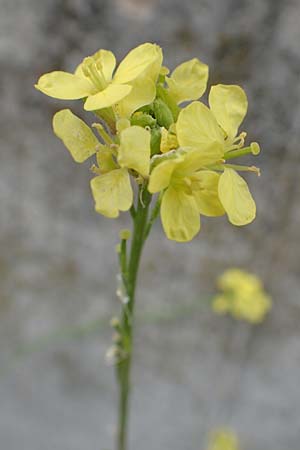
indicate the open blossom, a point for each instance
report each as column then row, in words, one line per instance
column 183, row 154
column 201, row 127
column 187, row 191
column 111, row 188
column 97, row 80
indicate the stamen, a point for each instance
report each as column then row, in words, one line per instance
column 103, row 134
column 222, row 167
column 243, row 168
column 92, row 70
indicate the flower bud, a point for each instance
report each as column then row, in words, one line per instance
column 143, row 120
column 115, row 323
column 124, row 234
column 162, row 113
column 155, row 140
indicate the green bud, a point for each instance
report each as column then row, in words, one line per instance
column 147, row 109
column 162, row 113
column 165, row 96
column 155, row 140
column 143, row 120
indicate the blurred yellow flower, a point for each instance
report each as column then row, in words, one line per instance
column 134, row 79
column 223, row 439
column 242, row 296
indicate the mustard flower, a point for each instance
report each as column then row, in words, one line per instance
column 180, row 153
column 188, row 191
column 242, row 296
column 201, row 127
column 131, row 85
column 223, row 439
column 145, row 137
column 111, row 187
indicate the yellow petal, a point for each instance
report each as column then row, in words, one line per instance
column 144, row 60
column 143, row 93
column 105, row 159
column 108, row 97
column 197, row 127
column 161, row 175
column 205, row 191
column 134, row 150
column 168, row 140
column 75, row 134
column 179, row 215
column 188, row 81
column 106, row 61
column 64, row 85
column 229, row 105
column 236, row 199
column 112, row 192
column 195, row 159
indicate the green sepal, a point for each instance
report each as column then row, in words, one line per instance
column 155, row 140
column 162, row 113
column 165, row 96
column 143, row 120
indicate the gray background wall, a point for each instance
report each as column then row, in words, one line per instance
column 193, row 371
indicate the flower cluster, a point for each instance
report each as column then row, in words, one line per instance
column 223, row 439
column 242, row 296
column 146, row 137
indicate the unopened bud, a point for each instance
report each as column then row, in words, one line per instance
column 117, row 338
column 162, row 113
column 124, row 234
column 115, row 323
column 143, row 120
column 155, row 141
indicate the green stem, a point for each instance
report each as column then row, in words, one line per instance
column 124, row 366
column 237, row 153
column 153, row 217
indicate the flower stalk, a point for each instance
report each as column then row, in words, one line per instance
column 148, row 139
column 129, row 272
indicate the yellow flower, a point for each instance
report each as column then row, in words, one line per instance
column 201, row 127
column 188, row 191
column 242, row 296
column 111, row 189
column 223, row 439
column 133, row 80
column 188, row 81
